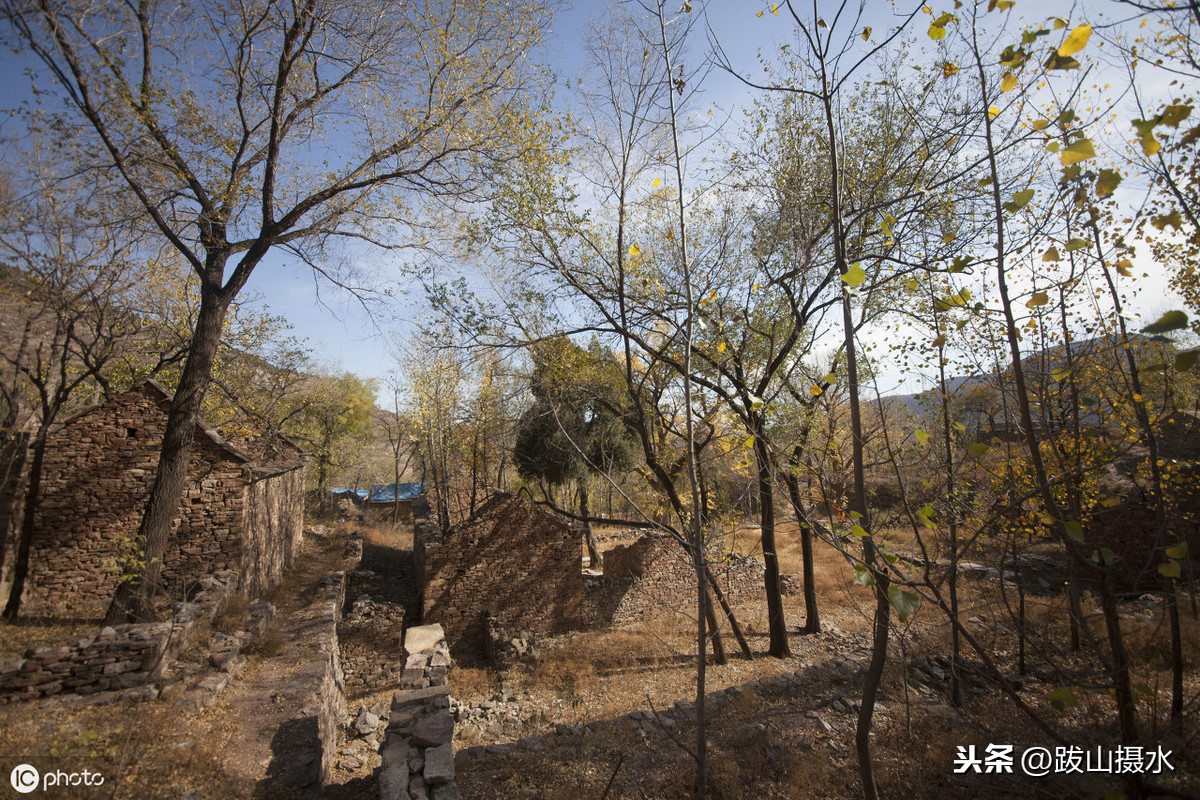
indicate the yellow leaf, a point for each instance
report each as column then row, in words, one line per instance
column 1051, row 254
column 993, row 111
column 656, row 182
column 1076, row 151
column 866, row 34
column 634, row 250
column 721, row 347
column 854, row 276
column 1076, row 41
column 1038, row 299
column 1041, row 124
column 1008, row 82
column 816, row 390
column 1124, row 266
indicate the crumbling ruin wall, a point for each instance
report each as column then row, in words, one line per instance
column 117, row 658
column 97, row 474
column 273, row 523
column 654, row 575
column 512, row 561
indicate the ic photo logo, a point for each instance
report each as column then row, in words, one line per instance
column 24, row 778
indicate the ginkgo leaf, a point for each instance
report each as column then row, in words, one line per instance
column 1041, row 124
column 922, row 436
column 939, row 340
column 816, row 390
column 978, row 448
column 1051, row 254
column 720, row 347
column 948, row 69
column 656, row 182
column 854, row 276
column 1125, row 267
column 1060, row 375
column 993, row 111
column 1107, row 182
column 1076, row 151
column 1187, row 359
column 829, row 378
column 1008, row 82
column 1076, row 41
column 863, row 576
column 1074, row 530
column 1075, row 243
column 866, row 34
column 1177, row 551
column 1110, row 502
column 634, row 250
column 1038, row 299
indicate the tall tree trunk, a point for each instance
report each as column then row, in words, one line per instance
column 775, row 617
column 812, row 617
column 729, row 615
column 139, row 584
column 589, row 536
column 25, row 539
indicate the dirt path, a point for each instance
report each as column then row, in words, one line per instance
column 264, row 716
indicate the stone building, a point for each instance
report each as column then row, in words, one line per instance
column 237, row 512
column 653, row 575
column 511, row 561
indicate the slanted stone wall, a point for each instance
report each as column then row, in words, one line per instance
column 654, row 575
column 98, row 471
column 512, row 561
column 273, row 526
column 119, row 658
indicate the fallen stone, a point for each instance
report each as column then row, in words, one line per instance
column 366, row 722
column 423, row 638
column 418, row 789
column 215, row 683
column 439, row 764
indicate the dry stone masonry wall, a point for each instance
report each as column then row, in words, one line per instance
column 512, row 561
column 654, row 575
column 418, row 754
column 98, row 470
column 124, row 660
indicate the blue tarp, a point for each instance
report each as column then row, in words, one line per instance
column 361, row 494
column 390, row 492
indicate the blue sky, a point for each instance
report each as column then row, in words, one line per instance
column 338, row 328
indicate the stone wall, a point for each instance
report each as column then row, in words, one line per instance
column 14, row 450
column 512, row 561
column 654, row 575
column 273, row 525
column 98, row 471
column 117, row 659
column 417, row 751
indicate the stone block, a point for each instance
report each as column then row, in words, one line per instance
column 439, row 764
column 404, row 697
column 434, row 730
column 423, row 638
column 446, row 791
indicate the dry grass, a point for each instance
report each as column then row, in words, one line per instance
column 28, row 632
